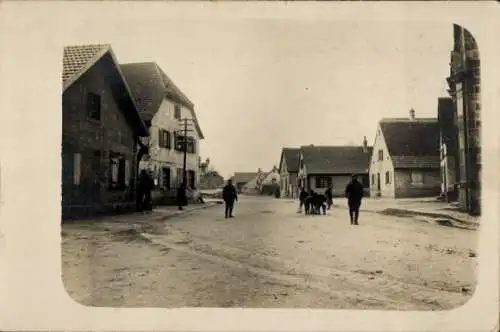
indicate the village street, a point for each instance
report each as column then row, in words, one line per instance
column 268, row 256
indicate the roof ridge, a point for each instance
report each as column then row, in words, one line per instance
column 138, row 63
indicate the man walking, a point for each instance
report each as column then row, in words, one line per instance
column 229, row 196
column 354, row 194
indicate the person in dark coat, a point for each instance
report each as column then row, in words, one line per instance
column 144, row 187
column 229, row 196
column 181, row 196
column 302, row 197
column 329, row 197
column 354, row 194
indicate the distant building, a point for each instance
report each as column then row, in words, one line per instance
column 289, row 171
column 241, row 178
column 321, row 166
column 101, row 127
column 406, row 160
column 450, row 177
column 252, row 187
column 271, row 177
column 465, row 89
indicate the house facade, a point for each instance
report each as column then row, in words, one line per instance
column 406, row 159
column 271, row 177
column 241, row 178
column 321, row 166
column 448, row 128
column 163, row 107
column 289, row 169
column 465, row 89
column 252, row 187
column 101, row 128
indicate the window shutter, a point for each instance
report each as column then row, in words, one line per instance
column 77, row 168
column 160, row 138
column 168, row 139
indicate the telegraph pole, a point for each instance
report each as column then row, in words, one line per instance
column 184, row 134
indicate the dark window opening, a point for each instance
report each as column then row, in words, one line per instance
column 94, row 106
column 323, row 181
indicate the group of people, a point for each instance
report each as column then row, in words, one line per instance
column 314, row 203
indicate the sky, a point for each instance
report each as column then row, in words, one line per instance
column 262, row 84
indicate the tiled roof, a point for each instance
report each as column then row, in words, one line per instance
column 412, row 143
column 292, row 158
column 239, row 177
column 150, row 85
column 336, row 159
column 77, row 59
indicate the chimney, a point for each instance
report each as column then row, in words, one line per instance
column 365, row 144
column 412, row 114
column 259, row 170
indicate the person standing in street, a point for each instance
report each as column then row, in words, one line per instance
column 354, row 194
column 181, row 196
column 144, row 188
column 302, row 197
column 329, row 197
column 229, row 196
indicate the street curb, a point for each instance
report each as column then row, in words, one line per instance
column 413, row 213
column 176, row 213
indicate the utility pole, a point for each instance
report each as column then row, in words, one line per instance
column 184, row 134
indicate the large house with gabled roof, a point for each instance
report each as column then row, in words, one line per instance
column 162, row 106
column 101, row 129
column 322, row 166
column 406, row 158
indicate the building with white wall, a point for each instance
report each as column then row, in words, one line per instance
column 163, row 106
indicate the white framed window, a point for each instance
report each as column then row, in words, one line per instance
column 417, row 177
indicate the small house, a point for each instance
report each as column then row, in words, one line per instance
column 289, row 169
column 241, row 178
column 406, row 159
column 324, row 166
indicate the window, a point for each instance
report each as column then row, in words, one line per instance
column 179, row 142
column 164, row 139
column 118, row 178
column 94, row 106
column 323, row 181
column 177, row 111
column 373, row 178
column 191, row 145
column 165, row 177
column 387, row 177
column 380, row 155
column 417, row 177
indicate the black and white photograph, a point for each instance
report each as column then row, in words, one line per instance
column 328, row 181
column 263, row 162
